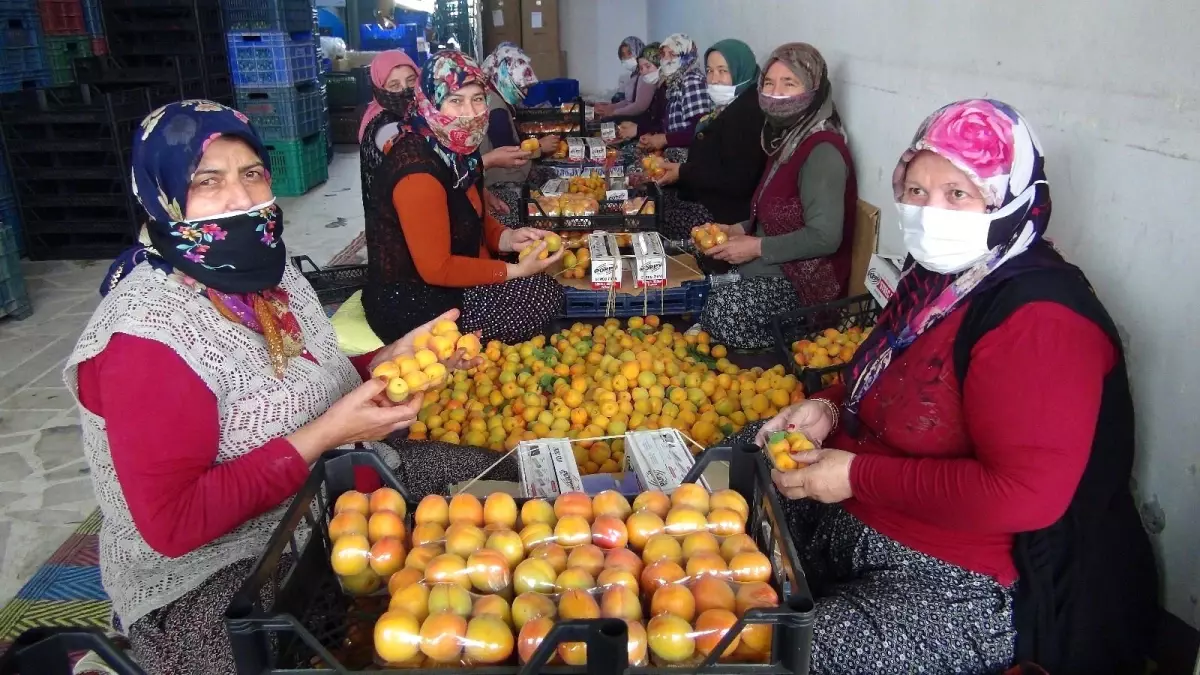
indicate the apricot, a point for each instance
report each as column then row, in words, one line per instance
column 387, row 499
column 611, row 503
column 397, row 636
column 747, row 566
column 711, row 627
column 732, row 500
column 413, row 599
column 609, row 532
column 572, row 530
column 617, row 577
column 637, row 643
column 691, row 496
column 531, row 637
column 463, row 539
column 508, row 544
column 738, row 543
column 420, row 557
column 442, row 637
column 492, row 605
column 465, row 508
column 385, row 524
column 755, row 641
column 642, row 525
column 620, row 602
column 662, row 547
column 623, row 559
column 669, row 637
column 654, row 501
column 675, row 599
column 347, row 522
column 403, row 579
column 529, row 606
column 488, row 571
column 433, row 509
column 587, row 557
column 573, row 653
column 351, row 555
column 500, row 509
column 428, row 533
column 660, row 574
column 534, row 574
column 574, row 578
column 387, row 556
column 726, row 523
column 573, row 504
column 352, row 501
column 489, row 640
column 681, row 522
column 363, row 583
column 577, row 604
column 535, row 534
column 699, row 542
column 449, row 598
column 447, row 568
column 755, row 594
column 552, row 553
column 706, row 564
column 537, row 511
column 713, row 593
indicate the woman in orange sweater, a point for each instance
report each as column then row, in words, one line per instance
column 430, row 245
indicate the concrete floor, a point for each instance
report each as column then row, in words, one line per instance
column 45, row 490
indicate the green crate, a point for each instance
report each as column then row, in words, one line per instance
column 14, row 299
column 61, row 51
column 298, row 166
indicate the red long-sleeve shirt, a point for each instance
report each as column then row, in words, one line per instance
column 163, row 429
column 955, row 471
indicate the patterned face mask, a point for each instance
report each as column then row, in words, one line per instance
column 462, row 135
column 232, row 252
column 397, row 102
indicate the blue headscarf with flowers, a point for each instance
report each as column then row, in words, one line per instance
column 455, row 139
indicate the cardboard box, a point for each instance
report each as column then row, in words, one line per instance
column 881, row 278
column 548, row 65
column 501, row 23
column 539, row 28
column 547, row 468
column 661, row 459
column 607, row 268
column 866, row 237
column 649, row 260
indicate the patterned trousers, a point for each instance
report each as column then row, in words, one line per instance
column 739, row 314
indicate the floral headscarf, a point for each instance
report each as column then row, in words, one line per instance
column 455, row 139
column 635, row 45
column 512, row 77
column 492, row 62
column 235, row 260
column 991, row 143
column 381, row 68
column 652, row 53
column 687, row 56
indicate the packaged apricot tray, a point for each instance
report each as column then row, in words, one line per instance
column 646, row 583
column 639, row 209
column 836, row 328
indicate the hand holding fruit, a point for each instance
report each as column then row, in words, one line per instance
column 708, row 235
column 364, row 414
column 811, row 418
column 737, row 250
column 669, row 175
column 512, row 241
column 534, row 259
column 509, row 157
column 407, row 345
column 826, row 478
column 548, row 144
column 652, row 141
column 535, row 147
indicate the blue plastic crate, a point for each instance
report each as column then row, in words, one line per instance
column 20, row 42
column 6, row 188
column 93, row 20
column 272, row 59
column 33, row 79
column 14, row 299
column 688, row 298
column 376, row 38
column 283, row 113
column 274, row 15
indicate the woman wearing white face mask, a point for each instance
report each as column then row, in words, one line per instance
column 627, row 52
column 646, row 106
column 431, row 245
column 954, row 489
column 725, row 159
column 681, row 102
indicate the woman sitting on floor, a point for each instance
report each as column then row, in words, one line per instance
column 961, row 516
column 795, row 249
column 683, row 103
column 633, row 93
column 725, row 159
column 208, row 381
column 430, row 245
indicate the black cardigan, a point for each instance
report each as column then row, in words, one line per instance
column 726, row 160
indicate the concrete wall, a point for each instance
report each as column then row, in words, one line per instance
column 591, row 32
column 1113, row 89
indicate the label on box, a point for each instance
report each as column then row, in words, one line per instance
column 617, row 171
column 498, row 18
column 535, row 19
column 597, row 151
column 660, row 459
column 547, row 468
column 576, row 150
column 608, row 131
column 616, row 195
column 555, row 187
column 606, row 260
column 650, row 261
column 422, row 45
column 882, row 279
column 589, row 113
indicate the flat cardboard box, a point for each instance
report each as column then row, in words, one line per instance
column 881, row 278
column 866, row 237
column 661, row 459
column 501, row 23
column 547, row 468
column 681, row 268
column 539, row 28
column 549, row 64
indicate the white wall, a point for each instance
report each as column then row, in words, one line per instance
column 592, row 31
column 1113, row 89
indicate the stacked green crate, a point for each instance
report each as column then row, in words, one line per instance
column 61, row 51
column 297, row 165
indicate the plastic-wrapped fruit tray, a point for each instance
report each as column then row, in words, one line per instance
column 314, row 626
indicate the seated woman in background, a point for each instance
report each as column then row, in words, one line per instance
column 959, row 516
column 430, row 244
column 509, row 75
column 683, row 103
column 208, row 380
column 795, row 249
column 646, row 108
column 726, row 158
column 630, row 84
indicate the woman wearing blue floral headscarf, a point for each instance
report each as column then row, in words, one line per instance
column 209, row 379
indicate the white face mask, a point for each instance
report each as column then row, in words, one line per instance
column 945, row 241
column 722, row 94
column 629, row 64
column 669, row 68
column 651, row 77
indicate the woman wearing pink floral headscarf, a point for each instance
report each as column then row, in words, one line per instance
column 970, row 504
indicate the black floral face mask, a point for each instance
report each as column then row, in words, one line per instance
column 396, row 102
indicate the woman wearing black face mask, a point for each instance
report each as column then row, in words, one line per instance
column 393, row 76
column 209, row 380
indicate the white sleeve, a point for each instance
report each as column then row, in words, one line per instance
column 385, row 134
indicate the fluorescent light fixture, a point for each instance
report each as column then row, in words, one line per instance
column 418, row 5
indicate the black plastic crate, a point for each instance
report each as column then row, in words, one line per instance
column 76, row 245
column 75, row 104
column 311, row 621
column 343, row 90
column 569, row 119
column 610, row 215
column 47, row 651
column 806, row 324
column 281, row 15
column 333, row 284
column 343, row 126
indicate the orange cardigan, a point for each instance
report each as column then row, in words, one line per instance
column 420, row 202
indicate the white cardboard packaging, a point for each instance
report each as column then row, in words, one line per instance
column 547, row 468
column 650, row 261
column 660, row 458
column 555, row 187
column 596, row 149
column 576, row 150
column 606, row 260
column 882, row 278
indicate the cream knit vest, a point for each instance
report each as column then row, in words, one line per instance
column 254, row 408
